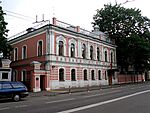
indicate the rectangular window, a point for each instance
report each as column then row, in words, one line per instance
column 4, row 75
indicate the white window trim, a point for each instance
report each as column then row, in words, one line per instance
column 100, row 74
column 64, row 74
column 26, row 52
column 38, row 45
column 91, row 74
column 107, row 55
column 83, row 74
column 15, row 54
column 75, row 74
column 15, row 74
column 60, row 38
column 72, row 41
column 22, row 74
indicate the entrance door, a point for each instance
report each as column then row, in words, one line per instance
column 42, row 82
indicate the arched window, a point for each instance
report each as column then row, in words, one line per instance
column 72, row 50
column 105, row 75
column 73, row 75
column 98, row 54
column 91, row 52
column 61, row 48
column 92, row 75
column 83, row 51
column 40, row 48
column 111, row 57
column 24, row 52
column 15, row 54
column 105, row 56
column 99, row 75
column 14, row 77
column 85, row 74
column 61, row 74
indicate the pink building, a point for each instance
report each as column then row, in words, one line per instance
column 60, row 55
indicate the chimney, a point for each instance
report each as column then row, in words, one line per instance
column 78, row 28
column 54, row 21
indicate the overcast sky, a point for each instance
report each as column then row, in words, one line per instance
column 75, row 12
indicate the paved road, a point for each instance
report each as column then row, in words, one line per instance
column 126, row 99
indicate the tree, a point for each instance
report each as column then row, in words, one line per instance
column 131, row 32
column 5, row 48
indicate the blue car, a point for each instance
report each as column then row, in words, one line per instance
column 14, row 90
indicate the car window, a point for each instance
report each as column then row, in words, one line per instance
column 17, row 85
column 6, row 86
column 0, row 86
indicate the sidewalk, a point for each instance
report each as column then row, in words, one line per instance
column 79, row 89
column 70, row 90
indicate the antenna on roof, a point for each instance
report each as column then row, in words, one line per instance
column 43, row 17
column 36, row 19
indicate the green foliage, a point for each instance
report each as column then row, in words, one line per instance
column 131, row 32
column 5, row 48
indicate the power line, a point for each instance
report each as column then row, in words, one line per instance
column 19, row 17
column 18, row 14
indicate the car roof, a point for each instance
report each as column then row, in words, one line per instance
column 9, row 82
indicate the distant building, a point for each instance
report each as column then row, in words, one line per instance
column 5, row 70
column 60, row 55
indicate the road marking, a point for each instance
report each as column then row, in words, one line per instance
column 21, row 106
column 101, row 94
column 60, row 100
column 102, row 103
column 4, row 108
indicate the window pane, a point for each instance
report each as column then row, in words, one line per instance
column 6, row 86
column 73, row 77
column 0, row 86
column 91, row 52
column 16, row 54
column 61, row 74
column 24, row 75
column 40, row 48
column 83, row 51
column 72, row 50
column 24, row 52
column 4, row 75
column 61, row 47
column 92, row 75
column 98, row 54
column 105, row 56
column 111, row 57
column 85, row 74
column 99, row 75
column 105, row 75
column 17, row 85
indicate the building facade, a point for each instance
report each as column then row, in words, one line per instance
column 60, row 55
